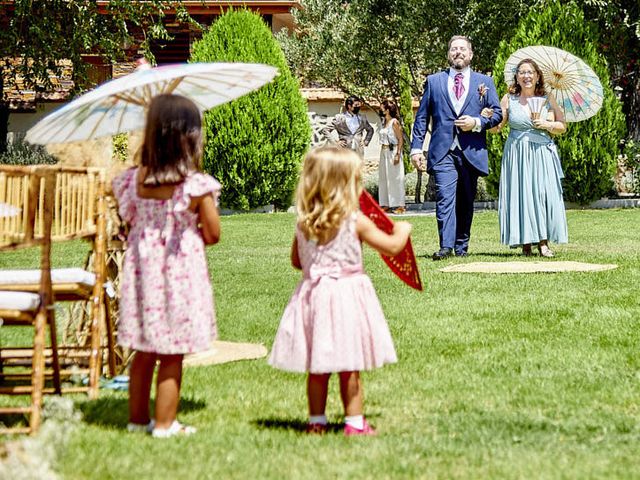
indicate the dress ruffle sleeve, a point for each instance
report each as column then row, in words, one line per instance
column 196, row 185
column 124, row 191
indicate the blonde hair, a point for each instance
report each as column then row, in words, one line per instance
column 328, row 191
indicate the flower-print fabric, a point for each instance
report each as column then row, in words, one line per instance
column 166, row 299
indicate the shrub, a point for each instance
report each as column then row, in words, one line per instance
column 483, row 194
column 631, row 157
column 427, row 191
column 20, row 153
column 256, row 143
column 411, row 182
column 120, row 145
column 589, row 149
column 370, row 183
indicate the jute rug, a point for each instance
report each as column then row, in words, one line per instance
column 527, row 267
column 223, row 352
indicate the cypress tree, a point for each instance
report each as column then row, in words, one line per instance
column 589, row 149
column 255, row 144
column 406, row 110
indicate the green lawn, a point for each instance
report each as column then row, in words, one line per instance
column 499, row 376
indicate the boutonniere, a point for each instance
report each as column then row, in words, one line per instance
column 482, row 91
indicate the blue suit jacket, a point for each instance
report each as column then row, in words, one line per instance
column 436, row 106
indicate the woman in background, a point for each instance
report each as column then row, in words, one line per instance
column 391, row 191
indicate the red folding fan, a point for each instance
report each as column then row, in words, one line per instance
column 403, row 264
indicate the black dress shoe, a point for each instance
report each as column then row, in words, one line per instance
column 462, row 254
column 442, row 253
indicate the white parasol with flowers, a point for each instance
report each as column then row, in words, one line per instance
column 574, row 85
column 119, row 106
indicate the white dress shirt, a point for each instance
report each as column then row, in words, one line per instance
column 353, row 122
column 458, row 102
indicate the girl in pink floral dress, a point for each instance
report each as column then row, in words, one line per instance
column 334, row 321
column 166, row 301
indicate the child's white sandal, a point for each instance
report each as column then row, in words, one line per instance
column 141, row 427
column 175, row 429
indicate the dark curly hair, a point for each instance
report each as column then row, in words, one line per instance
column 350, row 101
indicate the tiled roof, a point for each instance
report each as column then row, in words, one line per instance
column 322, row 94
column 334, row 95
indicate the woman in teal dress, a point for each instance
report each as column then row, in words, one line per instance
column 530, row 206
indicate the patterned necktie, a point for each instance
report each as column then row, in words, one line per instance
column 458, row 87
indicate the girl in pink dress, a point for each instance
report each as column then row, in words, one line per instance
column 334, row 321
column 166, row 301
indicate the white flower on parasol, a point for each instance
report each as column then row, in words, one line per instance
column 119, row 106
column 574, row 85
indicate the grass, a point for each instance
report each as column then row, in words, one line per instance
column 499, row 376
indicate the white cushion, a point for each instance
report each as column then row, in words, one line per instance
column 22, row 301
column 7, row 210
column 58, row 275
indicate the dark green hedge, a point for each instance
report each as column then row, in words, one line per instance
column 256, row 143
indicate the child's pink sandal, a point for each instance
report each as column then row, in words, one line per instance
column 367, row 430
column 176, row 429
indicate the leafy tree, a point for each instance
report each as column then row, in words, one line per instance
column 358, row 46
column 36, row 35
column 361, row 46
column 619, row 22
column 588, row 149
column 255, row 144
column 380, row 48
column 487, row 23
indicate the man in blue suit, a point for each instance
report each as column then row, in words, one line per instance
column 452, row 102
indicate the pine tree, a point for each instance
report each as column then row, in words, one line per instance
column 589, row 149
column 256, row 143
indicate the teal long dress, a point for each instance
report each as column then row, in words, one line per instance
column 530, row 204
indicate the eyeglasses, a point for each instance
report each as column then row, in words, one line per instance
column 524, row 73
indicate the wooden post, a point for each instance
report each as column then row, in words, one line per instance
column 46, row 300
column 97, row 310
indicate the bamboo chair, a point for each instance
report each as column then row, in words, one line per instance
column 22, row 227
column 78, row 211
